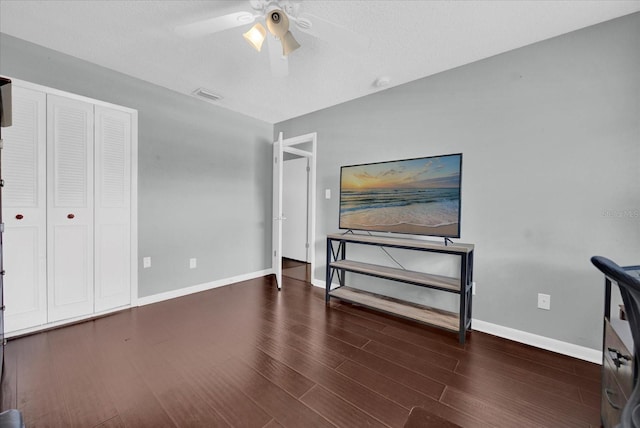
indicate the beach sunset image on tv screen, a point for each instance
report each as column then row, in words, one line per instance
column 413, row 196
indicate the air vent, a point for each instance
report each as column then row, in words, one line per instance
column 207, row 94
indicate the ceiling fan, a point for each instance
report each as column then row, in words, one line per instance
column 277, row 16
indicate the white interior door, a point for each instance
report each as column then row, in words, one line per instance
column 277, row 211
column 294, row 207
column 25, row 209
column 112, row 208
column 69, row 208
column 303, row 146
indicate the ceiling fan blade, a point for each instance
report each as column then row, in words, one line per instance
column 331, row 32
column 214, row 25
column 279, row 63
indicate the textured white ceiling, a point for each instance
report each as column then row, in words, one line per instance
column 409, row 40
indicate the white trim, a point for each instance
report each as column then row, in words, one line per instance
column 294, row 151
column 141, row 302
column 134, row 208
column 300, row 139
column 312, row 201
column 311, row 190
column 61, row 323
column 276, row 209
column 553, row 345
column 52, row 91
column 155, row 298
column 565, row 348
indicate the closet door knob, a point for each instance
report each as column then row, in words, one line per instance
column 19, row 216
column 70, row 216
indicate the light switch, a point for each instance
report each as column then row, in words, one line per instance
column 146, row 262
column 327, row 193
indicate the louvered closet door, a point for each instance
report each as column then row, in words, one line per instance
column 24, row 209
column 70, row 207
column 112, row 208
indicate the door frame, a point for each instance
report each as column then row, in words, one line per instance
column 281, row 146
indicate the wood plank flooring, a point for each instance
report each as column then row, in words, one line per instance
column 246, row 355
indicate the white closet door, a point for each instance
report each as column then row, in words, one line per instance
column 70, row 207
column 24, row 205
column 112, row 208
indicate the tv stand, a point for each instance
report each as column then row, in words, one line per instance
column 338, row 265
column 447, row 241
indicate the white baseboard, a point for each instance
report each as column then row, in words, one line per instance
column 155, row 298
column 62, row 323
column 565, row 348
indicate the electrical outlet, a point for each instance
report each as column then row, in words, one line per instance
column 193, row 263
column 544, row 301
column 146, row 262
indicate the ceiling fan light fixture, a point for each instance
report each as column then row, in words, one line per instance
column 277, row 22
column 278, row 25
column 255, row 36
column 289, row 43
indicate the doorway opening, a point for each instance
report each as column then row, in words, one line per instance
column 295, row 210
column 296, row 269
column 294, row 183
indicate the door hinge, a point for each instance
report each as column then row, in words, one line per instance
column 308, row 169
column 1, row 227
column 306, row 245
column 275, row 159
column 274, row 253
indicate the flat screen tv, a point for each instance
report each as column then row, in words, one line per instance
column 412, row 196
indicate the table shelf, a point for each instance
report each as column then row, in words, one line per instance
column 411, row 277
column 338, row 265
column 421, row 313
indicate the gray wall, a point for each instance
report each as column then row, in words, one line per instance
column 204, row 173
column 551, row 142
column 551, row 172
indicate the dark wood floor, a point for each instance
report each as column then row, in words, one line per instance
column 296, row 270
column 246, row 355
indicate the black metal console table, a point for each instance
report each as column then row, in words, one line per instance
column 338, row 265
